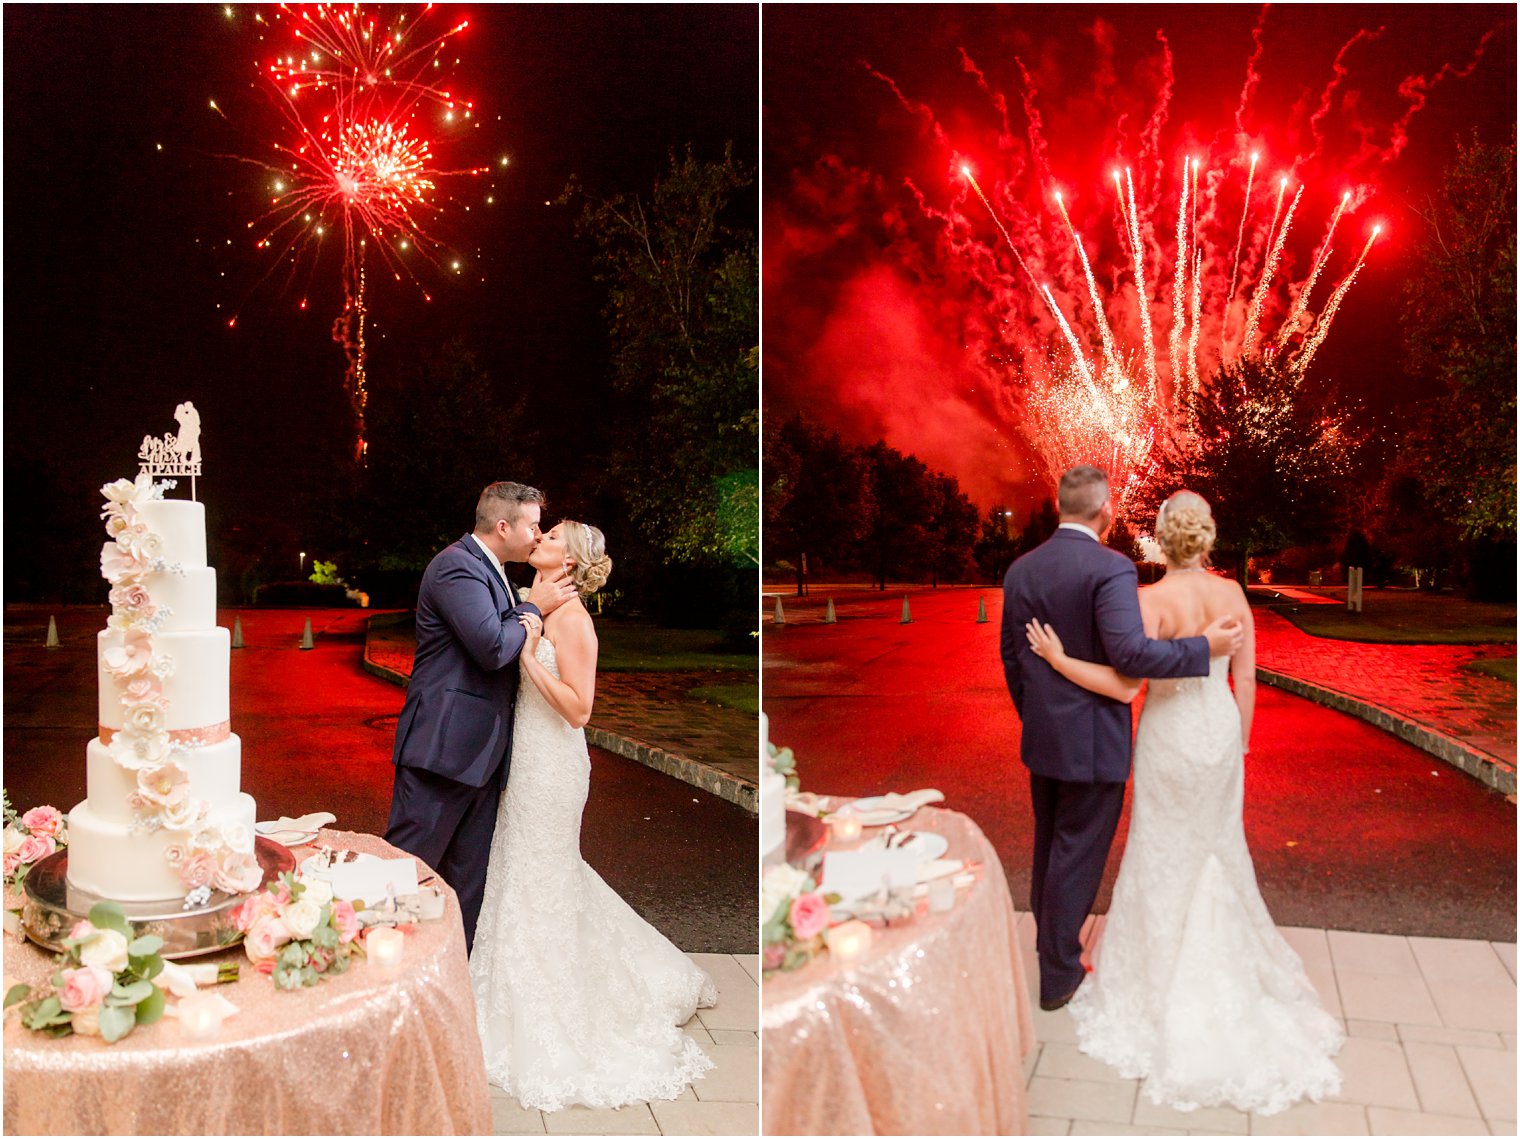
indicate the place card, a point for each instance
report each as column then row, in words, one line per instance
column 856, row 874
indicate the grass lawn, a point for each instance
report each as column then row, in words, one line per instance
column 1503, row 668
column 1404, row 617
column 744, row 697
column 632, row 646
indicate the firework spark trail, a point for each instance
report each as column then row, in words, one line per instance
column 1326, row 100
column 1253, row 76
column 1322, row 328
column 1240, row 238
column 997, row 221
column 1147, row 345
column 1111, row 374
column 1084, row 369
column 1301, row 302
column 1179, row 285
column 1263, row 287
column 1192, row 392
column 1150, row 137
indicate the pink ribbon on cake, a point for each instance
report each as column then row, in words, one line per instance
column 211, row 734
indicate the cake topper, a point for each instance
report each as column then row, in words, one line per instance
column 175, row 454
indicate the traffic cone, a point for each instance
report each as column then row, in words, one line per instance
column 52, row 641
column 829, row 617
column 780, row 613
column 306, row 641
column 906, row 617
column 981, row 609
column 237, row 632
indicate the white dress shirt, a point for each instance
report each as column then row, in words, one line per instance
column 1077, row 526
column 500, row 569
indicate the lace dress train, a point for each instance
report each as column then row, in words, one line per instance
column 1195, row 992
column 578, row 999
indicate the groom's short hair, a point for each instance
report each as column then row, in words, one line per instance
column 503, row 500
column 1082, row 492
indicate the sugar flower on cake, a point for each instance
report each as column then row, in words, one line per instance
column 133, row 656
column 136, row 750
column 143, row 688
column 238, row 873
column 129, row 492
column 167, row 785
column 146, row 718
column 183, row 815
column 118, row 565
column 198, row 869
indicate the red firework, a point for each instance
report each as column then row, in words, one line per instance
column 362, row 105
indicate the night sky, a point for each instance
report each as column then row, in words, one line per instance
column 879, row 326
column 120, row 276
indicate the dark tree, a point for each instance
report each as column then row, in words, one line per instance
column 818, row 500
column 996, row 544
column 1042, row 524
column 952, row 529
column 897, row 534
column 682, row 314
column 1459, row 327
column 1269, row 454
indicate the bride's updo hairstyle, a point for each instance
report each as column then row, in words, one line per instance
column 588, row 546
column 1185, row 527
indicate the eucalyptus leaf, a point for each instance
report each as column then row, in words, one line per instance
column 17, row 993
column 147, row 967
column 134, row 992
column 109, row 915
column 151, row 1007
column 146, row 946
column 116, row 1023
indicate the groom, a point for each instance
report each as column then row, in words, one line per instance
column 1076, row 743
column 456, row 725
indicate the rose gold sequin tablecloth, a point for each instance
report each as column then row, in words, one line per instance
column 925, row 1034
column 373, row 1051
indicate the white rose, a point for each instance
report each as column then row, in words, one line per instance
column 317, row 891
column 107, row 950
column 183, row 815
column 120, row 491
column 146, row 718
column 301, row 917
column 780, row 884
column 13, row 839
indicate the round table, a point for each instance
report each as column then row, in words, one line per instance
column 926, row 1033
column 372, row 1051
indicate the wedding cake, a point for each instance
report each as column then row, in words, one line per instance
column 772, row 795
column 165, row 817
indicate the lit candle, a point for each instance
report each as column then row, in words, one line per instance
column 384, row 945
column 200, row 1016
column 846, row 827
column 848, row 940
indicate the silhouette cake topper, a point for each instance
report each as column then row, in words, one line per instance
column 174, row 454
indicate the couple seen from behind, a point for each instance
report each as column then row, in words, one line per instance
column 1194, row 991
column 578, row 1000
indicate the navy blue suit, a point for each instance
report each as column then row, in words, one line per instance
column 454, row 735
column 1077, row 743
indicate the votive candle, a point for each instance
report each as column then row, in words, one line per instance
column 848, row 940
column 200, row 1016
column 384, row 945
column 846, row 827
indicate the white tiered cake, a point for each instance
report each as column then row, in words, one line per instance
column 772, row 796
column 165, row 817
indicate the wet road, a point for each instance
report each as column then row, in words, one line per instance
column 1350, row 828
column 317, row 733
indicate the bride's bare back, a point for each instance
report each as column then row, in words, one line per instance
column 1183, row 603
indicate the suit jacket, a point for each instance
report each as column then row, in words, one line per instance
column 1089, row 594
column 457, row 719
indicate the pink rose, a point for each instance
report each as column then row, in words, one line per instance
column 84, row 988
column 82, row 928
column 773, row 956
column 143, row 689
column 280, row 894
column 345, row 921
column 12, row 863
column 197, row 870
column 43, row 820
column 265, row 938
column 810, row 916
column 174, row 853
column 132, row 598
column 239, row 874
column 35, row 846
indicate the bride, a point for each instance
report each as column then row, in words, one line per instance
column 577, row 998
column 1195, row 992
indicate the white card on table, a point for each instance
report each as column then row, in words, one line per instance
column 854, row 874
column 372, row 880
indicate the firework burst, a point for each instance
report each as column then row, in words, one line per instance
column 362, row 105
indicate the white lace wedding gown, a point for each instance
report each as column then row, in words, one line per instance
column 577, row 998
column 1195, row 991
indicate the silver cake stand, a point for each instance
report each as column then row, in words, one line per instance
column 53, row 906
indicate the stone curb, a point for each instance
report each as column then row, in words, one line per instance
column 1485, row 768
column 693, row 771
